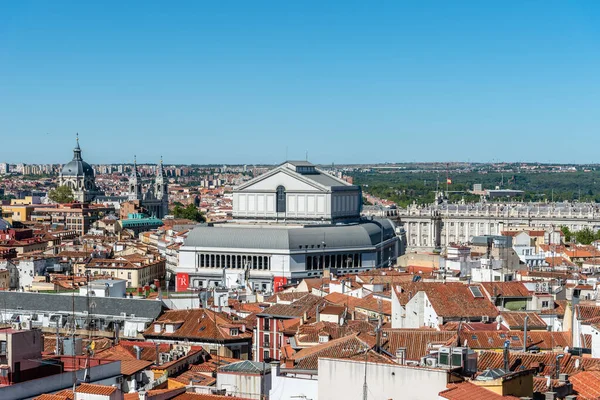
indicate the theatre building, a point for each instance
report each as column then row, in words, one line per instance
column 290, row 223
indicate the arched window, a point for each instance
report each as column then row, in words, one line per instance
column 280, row 199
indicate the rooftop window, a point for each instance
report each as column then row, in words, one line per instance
column 475, row 291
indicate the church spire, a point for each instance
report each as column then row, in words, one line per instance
column 77, row 149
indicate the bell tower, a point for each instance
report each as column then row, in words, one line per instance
column 135, row 183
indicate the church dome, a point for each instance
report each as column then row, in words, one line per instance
column 77, row 167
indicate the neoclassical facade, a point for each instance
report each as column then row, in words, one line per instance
column 448, row 223
column 80, row 177
column 156, row 199
column 297, row 191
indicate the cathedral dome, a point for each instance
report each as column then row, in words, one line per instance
column 77, row 167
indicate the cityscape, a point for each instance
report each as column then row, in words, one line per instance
column 299, row 201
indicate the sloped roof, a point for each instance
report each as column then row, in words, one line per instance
column 347, row 347
column 247, row 366
column 198, row 324
column 42, row 302
column 495, row 339
column 416, row 341
column 364, row 234
column 95, row 389
column 469, row 391
column 203, row 396
column 306, row 303
column 545, row 363
column 516, row 320
column 586, row 384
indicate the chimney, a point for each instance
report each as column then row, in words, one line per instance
column 550, row 396
column 563, row 378
column 143, row 395
column 138, row 352
column 305, row 317
column 275, row 368
column 157, row 355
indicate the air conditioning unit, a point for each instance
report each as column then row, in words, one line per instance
column 431, row 362
column 485, row 318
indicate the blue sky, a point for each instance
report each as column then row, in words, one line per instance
column 347, row 81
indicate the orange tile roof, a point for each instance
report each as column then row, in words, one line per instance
column 156, row 393
column 347, row 347
column 416, row 341
column 586, row 384
column 516, row 320
column 50, row 397
column 544, row 340
column 96, row 389
column 202, row 396
column 506, row 289
column 545, row 363
column 199, row 324
column 130, row 367
column 469, row 391
column 374, row 304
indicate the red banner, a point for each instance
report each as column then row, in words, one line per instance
column 278, row 283
column 182, row 282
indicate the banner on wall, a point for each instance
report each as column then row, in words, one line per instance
column 182, row 282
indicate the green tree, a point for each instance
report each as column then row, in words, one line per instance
column 568, row 234
column 585, row 236
column 188, row 212
column 62, row 194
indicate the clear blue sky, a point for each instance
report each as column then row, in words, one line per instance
column 347, row 81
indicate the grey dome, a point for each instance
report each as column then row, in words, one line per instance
column 77, row 167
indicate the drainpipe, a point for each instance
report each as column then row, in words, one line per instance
column 525, row 334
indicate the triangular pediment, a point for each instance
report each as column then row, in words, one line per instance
column 281, row 176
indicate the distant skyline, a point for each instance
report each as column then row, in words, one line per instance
column 347, row 82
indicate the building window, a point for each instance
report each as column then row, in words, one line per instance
column 265, row 355
column 234, row 332
column 267, row 324
column 545, row 304
column 280, row 199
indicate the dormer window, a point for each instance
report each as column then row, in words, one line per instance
column 234, row 332
column 157, row 328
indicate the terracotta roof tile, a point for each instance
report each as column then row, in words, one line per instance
column 202, row 396
column 516, row 320
column 586, row 384
column 96, row 389
column 346, row 347
column 130, row 367
column 417, row 342
column 506, row 289
column 374, row 304
column 545, row 363
column 495, row 339
column 198, row 324
column 469, row 391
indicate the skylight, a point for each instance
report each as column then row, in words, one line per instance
column 475, row 291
